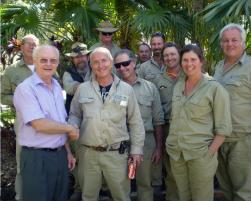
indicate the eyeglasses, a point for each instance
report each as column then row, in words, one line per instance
column 45, row 61
column 124, row 63
column 106, row 33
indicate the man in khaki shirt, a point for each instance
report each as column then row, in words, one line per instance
column 72, row 78
column 165, row 85
column 106, row 31
column 11, row 78
column 151, row 69
column 106, row 111
column 144, row 54
column 153, row 118
column 234, row 73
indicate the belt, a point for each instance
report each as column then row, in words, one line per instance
column 44, row 149
column 101, row 149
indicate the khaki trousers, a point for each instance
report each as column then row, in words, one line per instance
column 145, row 171
column 93, row 165
column 195, row 178
column 170, row 183
column 234, row 171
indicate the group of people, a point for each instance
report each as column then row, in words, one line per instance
column 160, row 110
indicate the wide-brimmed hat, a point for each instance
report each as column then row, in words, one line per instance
column 107, row 27
column 78, row 49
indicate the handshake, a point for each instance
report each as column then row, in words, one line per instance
column 73, row 133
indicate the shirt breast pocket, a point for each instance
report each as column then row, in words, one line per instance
column 238, row 86
column 145, row 106
column 88, row 106
column 198, row 109
column 116, row 111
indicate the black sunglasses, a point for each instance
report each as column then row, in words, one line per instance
column 124, row 63
column 107, row 33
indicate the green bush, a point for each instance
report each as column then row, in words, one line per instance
column 7, row 117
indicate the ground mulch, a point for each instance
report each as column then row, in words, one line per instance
column 8, row 164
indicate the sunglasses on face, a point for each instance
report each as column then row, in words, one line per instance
column 124, row 63
column 106, row 33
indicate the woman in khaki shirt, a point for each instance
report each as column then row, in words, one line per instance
column 200, row 120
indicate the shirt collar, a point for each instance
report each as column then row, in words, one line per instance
column 37, row 80
column 243, row 58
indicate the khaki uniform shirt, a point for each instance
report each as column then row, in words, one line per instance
column 113, row 51
column 69, row 83
column 237, row 81
column 108, row 123
column 150, row 71
column 149, row 104
column 197, row 118
column 165, row 86
column 13, row 76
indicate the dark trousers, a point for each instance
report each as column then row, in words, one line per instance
column 44, row 175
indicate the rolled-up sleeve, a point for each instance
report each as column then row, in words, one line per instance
column 221, row 112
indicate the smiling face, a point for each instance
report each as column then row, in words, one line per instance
column 232, row 44
column 101, row 65
column 171, row 57
column 157, row 44
column 46, row 61
column 191, row 64
column 126, row 71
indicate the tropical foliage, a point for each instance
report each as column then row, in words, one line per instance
column 182, row 21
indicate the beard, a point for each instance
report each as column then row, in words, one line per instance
column 82, row 67
column 157, row 53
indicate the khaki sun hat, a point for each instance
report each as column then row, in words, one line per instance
column 106, row 27
column 78, row 49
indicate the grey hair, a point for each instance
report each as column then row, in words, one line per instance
column 101, row 50
column 38, row 49
column 30, row 36
column 129, row 53
column 234, row 26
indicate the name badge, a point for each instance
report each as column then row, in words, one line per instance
column 120, row 99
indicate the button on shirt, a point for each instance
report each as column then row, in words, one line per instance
column 150, row 70
column 106, row 123
column 149, row 104
column 195, row 119
column 34, row 100
column 237, row 81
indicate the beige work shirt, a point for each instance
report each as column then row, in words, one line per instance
column 150, row 70
column 13, row 76
column 69, row 83
column 165, row 86
column 113, row 50
column 237, row 81
column 197, row 118
column 149, row 104
column 108, row 123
